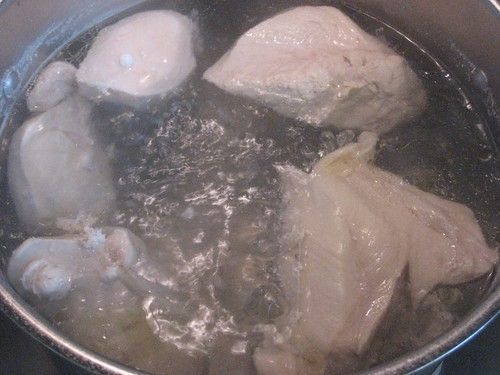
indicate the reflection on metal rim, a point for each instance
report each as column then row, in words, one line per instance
column 424, row 359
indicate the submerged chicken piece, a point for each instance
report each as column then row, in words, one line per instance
column 350, row 264
column 139, row 58
column 355, row 228
column 55, row 83
column 110, row 321
column 50, row 267
column 316, row 65
column 45, row 267
column 119, row 249
column 103, row 313
column 281, row 362
column 57, row 168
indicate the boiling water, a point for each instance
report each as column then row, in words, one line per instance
column 197, row 181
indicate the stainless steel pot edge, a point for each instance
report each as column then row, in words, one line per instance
column 434, row 352
column 426, row 357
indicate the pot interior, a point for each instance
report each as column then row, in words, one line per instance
column 450, row 151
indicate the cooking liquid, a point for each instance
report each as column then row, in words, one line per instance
column 196, row 180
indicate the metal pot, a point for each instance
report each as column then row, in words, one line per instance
column 463, row 34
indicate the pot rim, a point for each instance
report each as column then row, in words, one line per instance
column 431, row 354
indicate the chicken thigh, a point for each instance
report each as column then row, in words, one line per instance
column 57, row 168
column 55, row 83
column 50, row 267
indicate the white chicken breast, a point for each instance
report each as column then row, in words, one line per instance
column 139, row 58
column 55, row 83
column 316, row 65
column 352, row 229
column 56, row 167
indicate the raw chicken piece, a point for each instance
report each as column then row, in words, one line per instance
column 316, row 65
column 45, row 267
column 119, row 250
column 55, row 83
column 50, row 267
column 355, row 229
column 56, row 167
column 139, row 58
